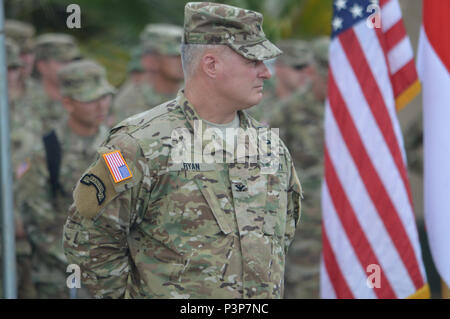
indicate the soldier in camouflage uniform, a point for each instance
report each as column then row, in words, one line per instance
column 135, row 69
column 53, row 51
column 46, row 188
column 23, row 138
column 160, row 45
column 136, row 77
column 299, row 115
column 293, row 71
column 23, row 34
column 163, row 228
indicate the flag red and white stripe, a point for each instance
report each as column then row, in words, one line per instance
column 434, row 71
column 368, row 216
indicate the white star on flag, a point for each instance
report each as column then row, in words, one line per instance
column 337, row 23
column 340, row 4
column 356, row 11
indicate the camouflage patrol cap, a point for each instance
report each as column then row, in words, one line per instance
column 84, row 81
column 22, row 33
column 12, row 54
column 240, row 29
column 163, row 39
column 295, row 52
column 320, row 48
column 57, row 46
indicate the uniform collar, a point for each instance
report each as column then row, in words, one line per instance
column 194, row 121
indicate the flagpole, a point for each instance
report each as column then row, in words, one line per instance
column 8, row 240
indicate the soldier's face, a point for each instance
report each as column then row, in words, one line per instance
column 241, row 80
column 150, row 62
column 91, row 113
column 14, row 74
column 28, row 60
column 171, row 68
column 49, row 69
column 292, row 78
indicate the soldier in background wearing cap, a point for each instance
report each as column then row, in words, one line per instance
column 46, row 188
column 160, row 59
column 136, row 76
column 191, row 229
column 293, row 77
column 302, row 79
column 53, row 51
column 23, row 34
column 24, row 135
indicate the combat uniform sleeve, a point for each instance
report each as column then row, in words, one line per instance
column 104, row 210
column 34, row 202
column 295, row 195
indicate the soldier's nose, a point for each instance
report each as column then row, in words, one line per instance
column 265, row 72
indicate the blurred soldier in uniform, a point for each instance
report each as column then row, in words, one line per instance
column 136, row 71
column 53, row 51
column 160, row 44
column 46, row 188
column 302, row 79
column 23, row 34
column 24, row 125
column 293, row 78
column 23, row 137
column 136, row 77
column 144, row 225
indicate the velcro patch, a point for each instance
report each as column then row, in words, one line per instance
column 196, row 167
column 89, row 202
column 91, row 179
column 117, row 166
column 22, row 168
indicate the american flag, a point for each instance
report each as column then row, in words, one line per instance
column 370, row 240
column 117, row 166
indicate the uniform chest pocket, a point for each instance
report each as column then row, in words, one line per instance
column 189, row 208
column 276, row 205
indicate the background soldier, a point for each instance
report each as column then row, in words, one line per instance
column 23, row 34
column 161, row 61
column 53, row 51
column 299, row 115
column 67, row 150
column 23, row 138
column 293, row 78
column 217, row 230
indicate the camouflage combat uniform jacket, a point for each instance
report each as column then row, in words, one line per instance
column 181, row 230
column 300, row 120
column 45, row 213
column 50, row 112
column 133, row 99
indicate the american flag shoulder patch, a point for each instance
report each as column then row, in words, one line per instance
column 117, row 166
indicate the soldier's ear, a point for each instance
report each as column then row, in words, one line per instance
column 209, row 64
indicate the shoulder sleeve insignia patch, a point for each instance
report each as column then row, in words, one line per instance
column 22, row 168
column 91, row 179
column 117, row 166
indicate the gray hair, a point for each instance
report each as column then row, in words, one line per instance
column 191, row 55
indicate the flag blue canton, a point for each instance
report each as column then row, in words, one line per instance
column 346, row 13
column 124, row 171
